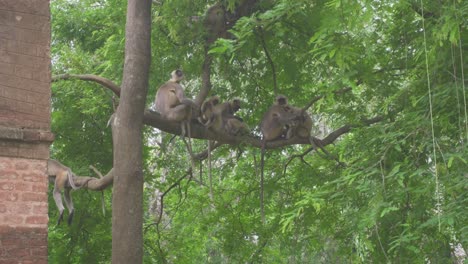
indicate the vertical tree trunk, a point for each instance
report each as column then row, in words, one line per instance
column 127, row 202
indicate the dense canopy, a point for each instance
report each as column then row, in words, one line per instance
column 382, row 80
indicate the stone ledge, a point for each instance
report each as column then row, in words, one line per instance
column 26, row 135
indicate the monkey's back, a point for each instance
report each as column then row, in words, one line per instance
column 166, row 97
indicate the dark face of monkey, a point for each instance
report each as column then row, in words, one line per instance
column 235, row 105
column 281, row 100
column 177, row 76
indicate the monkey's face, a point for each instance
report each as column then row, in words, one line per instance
column 235, row 105
column 281, row 100
column 177, row 75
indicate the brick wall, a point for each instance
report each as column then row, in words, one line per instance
column 25, row 63
column 23, row 211
column 24, row 129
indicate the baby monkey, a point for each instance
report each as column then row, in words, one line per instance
column 62, row 177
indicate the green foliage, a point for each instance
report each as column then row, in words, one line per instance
column 386, row 205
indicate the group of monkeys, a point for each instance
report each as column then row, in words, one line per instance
column 281, row 121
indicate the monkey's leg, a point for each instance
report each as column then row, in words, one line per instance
column 69, row 204
column 58, row 202
column 182, row 129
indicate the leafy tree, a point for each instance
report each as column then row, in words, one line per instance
column 384, row 82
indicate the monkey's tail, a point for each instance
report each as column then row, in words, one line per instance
column 262, row 165
column 70, row 179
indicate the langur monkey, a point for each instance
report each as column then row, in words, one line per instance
column 207, row 111
column 220, row 118
column 275, row 124
column 207, row 118
column 171, row 103
column 302, row 125
column 62, row 176
column 278, row 120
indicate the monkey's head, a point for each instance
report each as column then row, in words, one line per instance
column 281, row 100
column 236, row 104
column 177, row 75
column 214, row 100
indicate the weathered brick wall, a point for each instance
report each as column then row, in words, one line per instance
column 24, row 129
column 25, row 63
column 23, row 211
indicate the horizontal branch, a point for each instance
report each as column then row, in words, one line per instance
column 94, row 184
column 199, row 131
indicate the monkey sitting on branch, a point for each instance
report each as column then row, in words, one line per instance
column 62, row 177
column 171, row 103
column 220, row 118
column 302, row 127
column 278, row 123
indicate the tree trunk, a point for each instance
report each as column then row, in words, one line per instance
column 127, row 202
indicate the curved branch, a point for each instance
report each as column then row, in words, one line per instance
column 90, row 77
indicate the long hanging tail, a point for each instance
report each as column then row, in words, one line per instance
column 192, row 161
column 262, row 165
column 209, row 170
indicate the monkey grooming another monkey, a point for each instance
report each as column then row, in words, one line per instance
column 278, row 119
column 221, row 119
column 62, row 176
column 302, row 125
column 207, row 111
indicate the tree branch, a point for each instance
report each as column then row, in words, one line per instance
column 90, row 77
column 93, row 184
column 199, row 131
